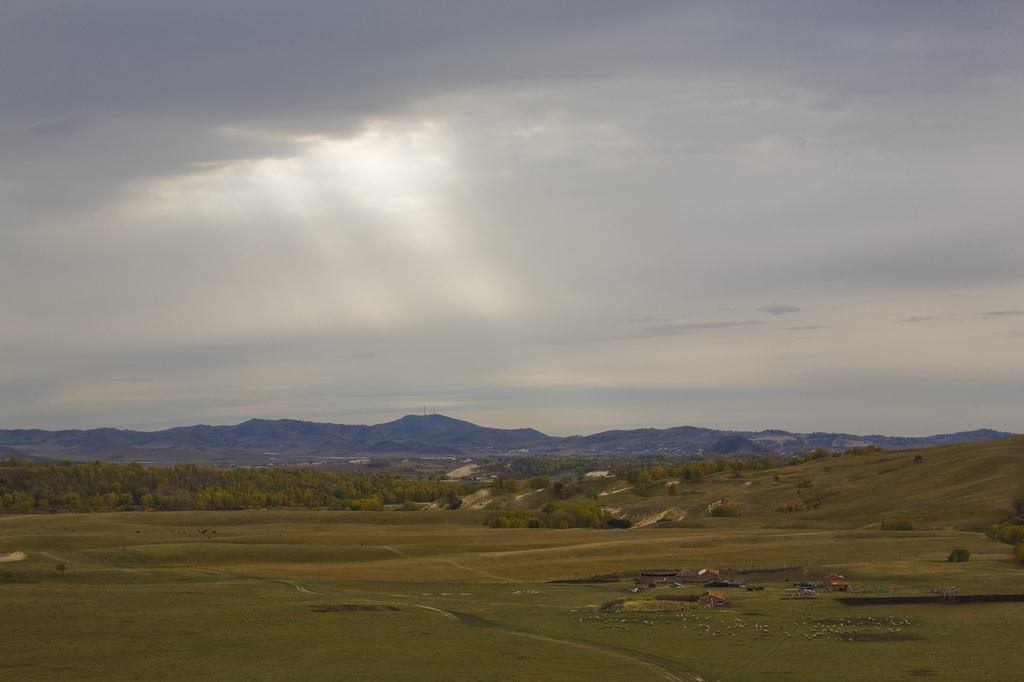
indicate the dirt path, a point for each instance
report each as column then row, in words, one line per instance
column 13, row 556
column 462, row 471
column 98, row 558
column 637, row 659
column 778, row 643
column 50, row 556
column 477, row 570
column 397, row 551
column 222, row 574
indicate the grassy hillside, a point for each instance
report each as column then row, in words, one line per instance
column 966, row 487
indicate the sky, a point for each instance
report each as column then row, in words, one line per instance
column 571, row 216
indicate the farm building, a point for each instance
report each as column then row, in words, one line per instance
column 651, row 576
column 835, row 583
column 676, row 575
column 711, row 600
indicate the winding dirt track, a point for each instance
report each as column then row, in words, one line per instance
column 656, row 668
column 56, row 558
column 660, row 668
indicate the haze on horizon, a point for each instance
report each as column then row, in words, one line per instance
column 568, row 216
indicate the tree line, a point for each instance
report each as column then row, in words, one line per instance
column 1012, row 533
column 104, row 486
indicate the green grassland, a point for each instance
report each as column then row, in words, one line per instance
column 230, row 595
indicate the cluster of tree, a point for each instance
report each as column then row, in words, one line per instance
column 797, row 460
column 563, row 489
column 1012, row 533
column 574, row 513
column 642, row 470
column 529, row 467
column 897, row 524
column 860, row 451
column 694, row 471
column 545, row 467
column 104, row 486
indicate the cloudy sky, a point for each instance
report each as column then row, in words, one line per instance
column 574, row 216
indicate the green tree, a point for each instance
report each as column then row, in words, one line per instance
column 562, row 489
column 897, row 524
column 725, row 510
column 959, row 554
column 61, row 568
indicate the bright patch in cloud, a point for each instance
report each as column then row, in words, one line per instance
column 361, row 229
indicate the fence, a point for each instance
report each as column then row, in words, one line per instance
column 937, row 599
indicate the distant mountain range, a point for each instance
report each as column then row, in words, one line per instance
column 422, row 436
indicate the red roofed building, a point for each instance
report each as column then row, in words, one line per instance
column 835, row 583
column 708, row 574
column 711, row 600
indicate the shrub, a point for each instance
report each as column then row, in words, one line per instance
column 958, row 554
column 897, row 524
column 918, row 459
column 725, row 510
column 1008, row 533
column 673, row 489
column 619, row 523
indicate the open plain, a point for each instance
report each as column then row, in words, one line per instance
column 232, row 596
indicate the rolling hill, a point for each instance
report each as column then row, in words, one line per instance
column 964, row 486
column 428, row 435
